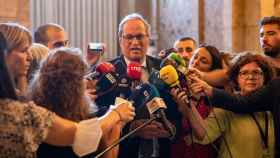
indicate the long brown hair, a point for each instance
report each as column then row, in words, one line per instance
column 59, row 84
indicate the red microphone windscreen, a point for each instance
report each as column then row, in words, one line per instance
column 105, row 67
column 134, row 71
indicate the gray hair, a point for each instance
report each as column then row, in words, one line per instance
column 133, row 16
column 41, row 33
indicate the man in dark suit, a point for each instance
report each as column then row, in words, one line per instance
column 152, row 140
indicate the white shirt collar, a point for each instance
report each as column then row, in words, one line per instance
column 144, row 64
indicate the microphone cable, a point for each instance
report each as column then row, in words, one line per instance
column 118, row 141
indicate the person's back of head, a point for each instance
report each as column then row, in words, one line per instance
column 38, row 53
column 59, row 85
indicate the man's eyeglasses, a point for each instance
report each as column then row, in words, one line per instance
column 255, row 74
column 186, row 49
column 138, row 37
column 61, row 44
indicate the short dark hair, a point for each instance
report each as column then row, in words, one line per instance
column 186, row 39
column 270, row 20
column 244, row 58
column 41, row 33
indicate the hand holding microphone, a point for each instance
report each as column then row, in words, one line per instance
column 199, row 86
column 124, row 110
column 180, row 98
column 91, row 89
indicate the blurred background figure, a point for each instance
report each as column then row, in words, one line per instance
column 38, row 53
column 94, row 54
column 165, row 52
column 51, row 35
column 185, row 47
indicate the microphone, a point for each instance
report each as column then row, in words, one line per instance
column 134, row 71
column 173, row 59
column 177, row 58
column 170, row 76
column 147, row 94
column 106, row 78
column 106, row 83
column 101, row 68
column 155, row 80
column 177, row 61
column 105, row 67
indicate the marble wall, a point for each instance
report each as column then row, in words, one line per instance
column 177, row 18
column 15, row 11
column 245, row 29
column 217, row 25
column 230, row 25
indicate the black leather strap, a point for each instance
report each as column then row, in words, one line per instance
column 264, row 134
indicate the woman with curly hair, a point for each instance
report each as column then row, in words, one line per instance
column 60, row 87
column 59, row 84
column 24, row 125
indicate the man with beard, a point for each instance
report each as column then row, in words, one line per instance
column 270, row 40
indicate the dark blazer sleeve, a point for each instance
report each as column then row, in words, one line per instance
column 261, row 100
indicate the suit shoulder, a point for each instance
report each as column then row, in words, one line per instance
column 113, row 61
column 153, row 62
column 154, row 59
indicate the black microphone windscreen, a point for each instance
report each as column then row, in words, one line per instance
column 106, row 83
column 143, row 94
column 154, row 79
